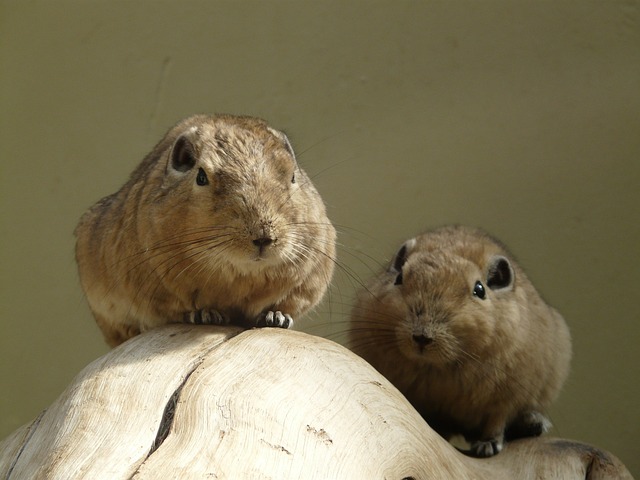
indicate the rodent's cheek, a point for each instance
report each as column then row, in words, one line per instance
column 389, row 309
column 403, row 321
column 404, row 332
column 396, row 305
column 473, row 331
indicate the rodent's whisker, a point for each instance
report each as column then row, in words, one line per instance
column 167, row 266
column 143, row 258
column 163, row 247
column 349, row 271
column 190, row 231
column 168, row 249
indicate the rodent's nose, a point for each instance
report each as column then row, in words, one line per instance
column 262, row 242
column 263, row 236
column 422, row 340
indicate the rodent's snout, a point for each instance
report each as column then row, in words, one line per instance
column 423, row 344
column 428, row 334
column 263, row 242
column 422, row 333
column 263, row 236
column 422, row 340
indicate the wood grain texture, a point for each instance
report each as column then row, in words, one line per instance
column 220, row 403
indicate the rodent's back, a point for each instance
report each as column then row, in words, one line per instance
column 217, row 216
column 457, row 326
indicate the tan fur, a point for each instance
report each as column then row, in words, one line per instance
column 164, row 246
column 492, row 363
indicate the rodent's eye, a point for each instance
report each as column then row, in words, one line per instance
column 398, row 280
column 293, row 177
column 478, row 290
column 202, row 178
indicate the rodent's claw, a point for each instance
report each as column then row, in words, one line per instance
column 274, row 319
column 486, row 448
column 206, row 317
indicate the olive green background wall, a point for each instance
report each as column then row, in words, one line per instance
column 520, row 117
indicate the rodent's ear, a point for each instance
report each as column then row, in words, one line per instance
column 500, row 274
column 402, row 255
column 288, row 146
column 285, row 141
column 183, row 157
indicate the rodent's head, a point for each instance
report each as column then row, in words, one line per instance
column 231, row 183
column 444, row 300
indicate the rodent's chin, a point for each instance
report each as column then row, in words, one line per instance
column 256, row 261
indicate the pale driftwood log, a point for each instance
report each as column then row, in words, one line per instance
column 184, row 402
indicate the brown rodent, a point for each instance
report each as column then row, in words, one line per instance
column 458, row 328
column 218, row 224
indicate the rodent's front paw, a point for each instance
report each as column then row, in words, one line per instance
column 274, row 319
column 528, row 424
column 206, row 317
column 486, row 448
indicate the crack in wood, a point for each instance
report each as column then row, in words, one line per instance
column 32, row 429
column 170, row 408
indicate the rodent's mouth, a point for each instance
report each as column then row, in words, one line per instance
column 427, row 351
column 263, row 257
column 424, row 352
column 259, row 259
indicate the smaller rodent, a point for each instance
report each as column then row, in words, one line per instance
column 218, row 224
column 458, row 328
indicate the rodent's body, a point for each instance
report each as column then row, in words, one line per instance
column 459, row 329
column 217, row 224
